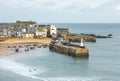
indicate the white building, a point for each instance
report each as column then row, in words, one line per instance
column 19, row 34
column 24, row 30
column 5, row 32
column 45, row 33
column 9, row 33
column 41, row 33
column 52, row 30
column 28, row 35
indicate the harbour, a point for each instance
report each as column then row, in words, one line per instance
column 52, row 65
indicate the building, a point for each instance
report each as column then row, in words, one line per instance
column 1, row 34
column 5, row 32
column 19, row 34
column 32, row 28
column 28, row 35
column 9, row 33
column 24, row 30
column 41, row 33
column 52, row 31
column 27, row 29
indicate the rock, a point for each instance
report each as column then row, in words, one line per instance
column 84, row 37
column 98, row 36
column 110, row 35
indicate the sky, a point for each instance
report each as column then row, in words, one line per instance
column 61, row 11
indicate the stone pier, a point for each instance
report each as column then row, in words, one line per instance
column 72, row 50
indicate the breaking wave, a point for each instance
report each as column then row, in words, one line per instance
column 20, row 68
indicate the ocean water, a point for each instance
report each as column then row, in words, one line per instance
column 41, row 64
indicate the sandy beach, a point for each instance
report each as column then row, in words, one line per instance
column 17, row 41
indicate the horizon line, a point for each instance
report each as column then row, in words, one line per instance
column 68, row 22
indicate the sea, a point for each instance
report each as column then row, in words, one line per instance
column 41, row 64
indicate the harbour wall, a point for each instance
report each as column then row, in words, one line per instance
column 70, row 50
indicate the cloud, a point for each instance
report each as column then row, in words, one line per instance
column 55, row 4
column 118, row 8
column 96, row 3
column 79, row 4
column 57, row 9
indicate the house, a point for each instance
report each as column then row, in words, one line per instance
column 5, row 32
column 16, row 32
column 52, row 30
column 28, row 35
column 19, row 34
column 40, row 33
column 1, row 34
column 31, row 29
column 24, row 30
column 9, row 33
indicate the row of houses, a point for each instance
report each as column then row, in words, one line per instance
column 27, row 29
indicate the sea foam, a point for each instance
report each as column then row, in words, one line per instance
column 20, row 68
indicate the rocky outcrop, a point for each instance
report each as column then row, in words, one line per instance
column 70, row 37
column 77, row 38
column 98, row 36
